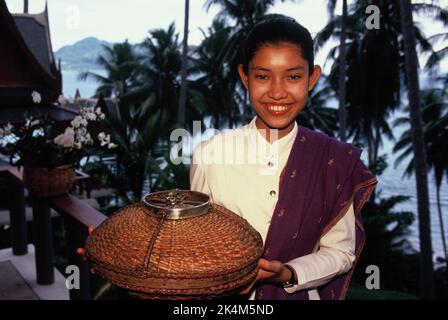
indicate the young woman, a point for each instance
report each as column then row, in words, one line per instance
column 300, row 189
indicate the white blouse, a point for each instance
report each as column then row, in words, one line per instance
column 240, row 170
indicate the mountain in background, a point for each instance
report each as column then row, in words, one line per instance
column 82, row 55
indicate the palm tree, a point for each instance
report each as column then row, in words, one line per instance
column 134, row 154
column 437, row 56
column 411, row 62
column 158, row 80
column 442, row 16
column 435, row 119
column 215, row 92
column 120, row 64
column 150, row 104
column 342, row 65
column 183, row 85
column 157, row 86
column 375, row 65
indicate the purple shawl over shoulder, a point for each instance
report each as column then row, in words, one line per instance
column 320, row 180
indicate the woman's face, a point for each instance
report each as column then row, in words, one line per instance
column 278, row 82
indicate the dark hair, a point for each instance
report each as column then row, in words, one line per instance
column 278, row 28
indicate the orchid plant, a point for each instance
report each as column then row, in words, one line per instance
column 41, row 142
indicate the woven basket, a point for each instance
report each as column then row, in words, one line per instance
column 48, row 183
column 187, row 250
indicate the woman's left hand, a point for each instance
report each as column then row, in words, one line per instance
column 272, row 271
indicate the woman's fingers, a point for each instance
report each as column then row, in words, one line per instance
column 267, row 269
column 274, row 266
column 82, row 253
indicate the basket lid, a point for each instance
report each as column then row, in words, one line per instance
column 175, row 244
column 178, row 204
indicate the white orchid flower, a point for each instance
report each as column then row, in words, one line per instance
column 69, row 131
column 104, row 139
column 91, row 116
column 84, row 122
column 80, row 138
column 85, row 110
column 67, row 139
column 101, row 136
column 76, row 122
column 81, row 131
column 36, row 97
column 112, row 145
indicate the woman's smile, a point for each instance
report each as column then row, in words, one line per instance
column 278, row 109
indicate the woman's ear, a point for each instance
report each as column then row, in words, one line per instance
column 315, row 75
column 243, row 76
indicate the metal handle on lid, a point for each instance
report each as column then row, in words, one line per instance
column 178, row 204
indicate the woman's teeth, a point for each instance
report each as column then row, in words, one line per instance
column 277, row 108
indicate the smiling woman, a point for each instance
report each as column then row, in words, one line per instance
column 305, row 194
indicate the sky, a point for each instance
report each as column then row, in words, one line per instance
column 118, row 20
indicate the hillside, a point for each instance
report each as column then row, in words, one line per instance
column 81, row 55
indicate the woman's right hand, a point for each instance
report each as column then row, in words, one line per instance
column 272, row 271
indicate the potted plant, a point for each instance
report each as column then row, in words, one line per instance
column 49, row 153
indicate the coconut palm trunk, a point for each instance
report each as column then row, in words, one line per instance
column 442, row 228
column 183, row 86
column 411, row 63
column 342, row 67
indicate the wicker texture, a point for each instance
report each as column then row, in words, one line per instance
column 201, row 257
column 47, row 183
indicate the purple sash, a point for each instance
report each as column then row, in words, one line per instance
column 320, row 180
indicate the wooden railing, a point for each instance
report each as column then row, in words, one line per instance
column 77, row 217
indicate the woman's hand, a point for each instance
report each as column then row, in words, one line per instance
column 271, row 271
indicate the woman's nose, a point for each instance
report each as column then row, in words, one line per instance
column 277, row 90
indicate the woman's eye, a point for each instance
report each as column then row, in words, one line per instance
column 261, row 76
column 294, row 77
